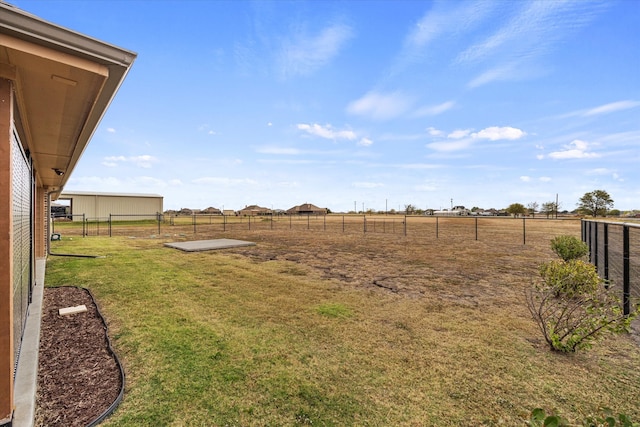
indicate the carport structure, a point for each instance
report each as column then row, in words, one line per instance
column 55, row 86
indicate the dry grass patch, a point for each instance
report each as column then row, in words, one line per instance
column 342, row 329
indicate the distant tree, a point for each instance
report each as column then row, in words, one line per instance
column 516, row 209
column 595, row 203
column 409, row 209
column 549, row 209
column 614, row 212
column 475, row 209
column 532, row 208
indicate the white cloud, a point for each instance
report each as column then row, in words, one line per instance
column 604, row 171
column 434, row 110
column 459, row 144
column 460, row 133
column 441, row 21
column 612, row 107
column 544, row 179
column 145, row 161
column 380, row 106
column 495, row 133
column 525, row 178
column 279, row 150
column 434, row 132
column 576, row 149
column 504, row 72
column 305, row 54
column 534, row 30
column 599, row 171
column 365, row 142
column 111, row 130
column 327, row 131
column 419, row 166
column 464, row 138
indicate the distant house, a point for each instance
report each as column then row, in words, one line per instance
column 307, row 209
column 254, row 210
column 211, row 211
column 455, row 211
column 229, row 212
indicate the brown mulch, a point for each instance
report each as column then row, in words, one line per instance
column 78, row 377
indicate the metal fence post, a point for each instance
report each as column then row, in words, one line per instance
column 109, row 225
column 476, row 218
column 626, row 279
column 84, row 228
column 606, row 250
column 524, row 231
column 595, row 246
column 364, row 223
column 158, row 218
column 437, row 227
column 405, row 225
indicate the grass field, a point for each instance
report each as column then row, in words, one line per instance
column 340, row 328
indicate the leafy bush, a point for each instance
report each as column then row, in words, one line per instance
column 572, row 308
column 570, row 278
column 569, row 247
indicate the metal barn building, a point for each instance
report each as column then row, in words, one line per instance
column 123, row 206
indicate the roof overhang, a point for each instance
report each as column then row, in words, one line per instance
column 64, row 82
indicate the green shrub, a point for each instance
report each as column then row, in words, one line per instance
column 572, row 307
column 570, row 278
column 569, row 247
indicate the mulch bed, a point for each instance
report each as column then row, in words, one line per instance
column 78, row 377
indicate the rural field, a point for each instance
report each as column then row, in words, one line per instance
column 328, row 321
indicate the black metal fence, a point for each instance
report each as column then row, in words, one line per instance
column 614, row 249
column 104, row 226
column 522, row 230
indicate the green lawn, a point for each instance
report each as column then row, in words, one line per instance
column 262, row 337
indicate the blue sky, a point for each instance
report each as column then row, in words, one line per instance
column 376, row 104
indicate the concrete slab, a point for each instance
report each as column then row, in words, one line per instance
column 208, row 245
